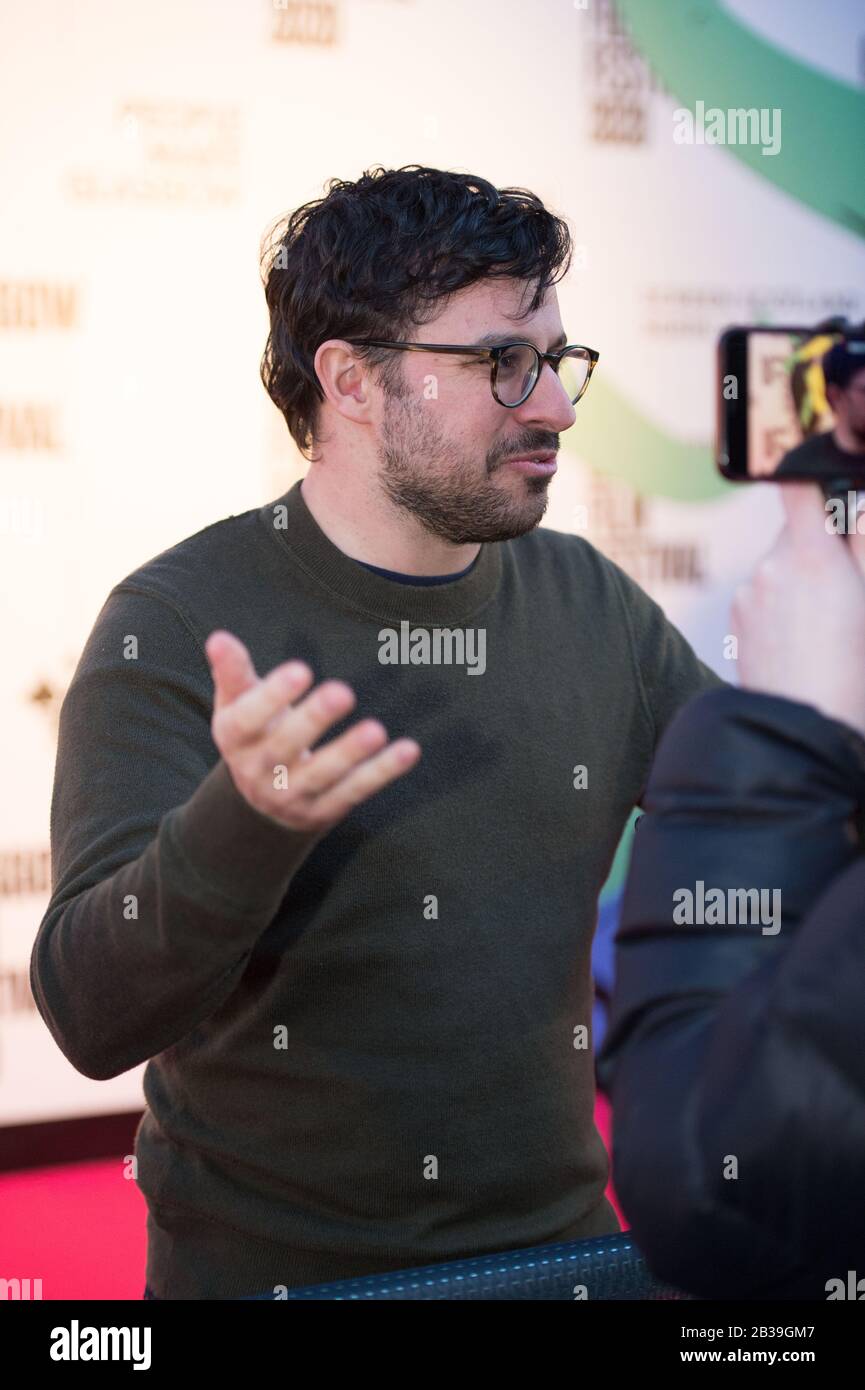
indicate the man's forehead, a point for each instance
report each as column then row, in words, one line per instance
column 497, row 309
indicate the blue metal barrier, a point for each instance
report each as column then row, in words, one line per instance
column 608, row 1268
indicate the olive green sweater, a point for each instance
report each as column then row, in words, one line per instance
column 366, row 1050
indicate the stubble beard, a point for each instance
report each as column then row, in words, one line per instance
column 451, row 496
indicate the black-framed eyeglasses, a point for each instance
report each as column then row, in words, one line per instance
column 515, row 367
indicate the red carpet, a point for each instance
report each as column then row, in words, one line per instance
column 80, row 1227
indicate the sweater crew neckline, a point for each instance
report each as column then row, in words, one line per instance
column 293, row 526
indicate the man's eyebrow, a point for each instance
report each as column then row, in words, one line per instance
column 497, row 339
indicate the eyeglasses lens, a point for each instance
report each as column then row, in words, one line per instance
column 517, row 372
column 573, row 374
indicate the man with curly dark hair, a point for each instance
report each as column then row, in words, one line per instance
column 838, row 453
column 359, row 969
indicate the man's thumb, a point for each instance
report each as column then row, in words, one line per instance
column 231, row 665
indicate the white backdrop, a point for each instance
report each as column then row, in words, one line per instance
column 145, row 150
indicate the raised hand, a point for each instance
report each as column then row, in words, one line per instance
column 265, row 733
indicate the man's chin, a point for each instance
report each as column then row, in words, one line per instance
column 511, row 527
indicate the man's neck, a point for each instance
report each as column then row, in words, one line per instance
column 366, row 526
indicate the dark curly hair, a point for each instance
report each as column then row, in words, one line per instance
column 374, row 258
column 842, row 362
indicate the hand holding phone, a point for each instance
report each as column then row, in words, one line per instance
column 799, row 619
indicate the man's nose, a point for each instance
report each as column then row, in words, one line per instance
column 548, row 403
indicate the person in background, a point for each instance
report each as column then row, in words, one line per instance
column 839, row 452
column 735, row 1057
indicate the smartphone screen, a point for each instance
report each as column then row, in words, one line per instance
column 775, row 421
column 786, row 395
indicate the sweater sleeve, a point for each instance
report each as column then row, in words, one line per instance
column 668, row 671
column 163, row 875
column 734, row 1052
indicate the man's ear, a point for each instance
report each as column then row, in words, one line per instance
column 344, row 378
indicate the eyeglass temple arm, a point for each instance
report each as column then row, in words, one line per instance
column 479, row 351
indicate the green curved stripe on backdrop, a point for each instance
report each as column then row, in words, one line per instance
column 616, row 877
column 702, row 53
column 614, row 439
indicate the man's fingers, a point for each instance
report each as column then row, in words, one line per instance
column 245, row 719
column 304, row 724
column 329, row 780
column 329, row 764
column 231, row 667
column 367, row 779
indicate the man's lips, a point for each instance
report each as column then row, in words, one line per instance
column 537, row 465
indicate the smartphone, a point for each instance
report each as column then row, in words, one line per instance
column 774, row 421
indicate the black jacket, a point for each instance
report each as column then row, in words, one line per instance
column 741, row 1048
